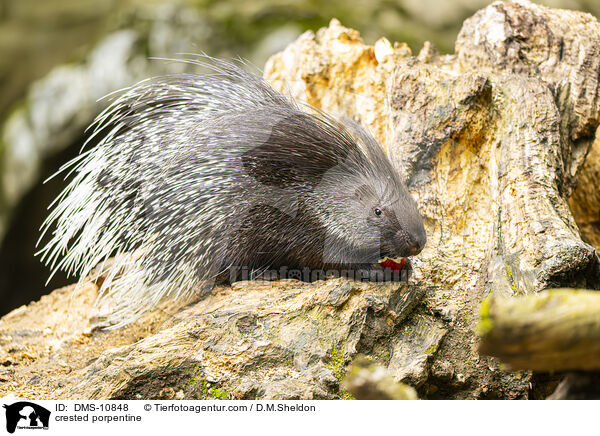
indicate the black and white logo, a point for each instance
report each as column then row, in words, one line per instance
column 26, row 415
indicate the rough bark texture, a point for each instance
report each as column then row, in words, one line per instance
column 282, row 340
column 490, row 141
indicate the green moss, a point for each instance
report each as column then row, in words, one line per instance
column 207, row 389
column 218, row 393
column 345, row 395
column 431, row 349
column 336, row 358
column 196, row 377
column 511, row 281
column 485, row 320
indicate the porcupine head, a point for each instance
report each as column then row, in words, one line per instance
column 218, row 177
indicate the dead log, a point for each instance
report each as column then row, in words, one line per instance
column 556, row 330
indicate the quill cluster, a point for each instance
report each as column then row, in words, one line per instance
column 197, row 178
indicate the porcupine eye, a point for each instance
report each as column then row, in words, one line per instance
column 377, row 211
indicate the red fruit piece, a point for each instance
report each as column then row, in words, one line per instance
column 392, row 264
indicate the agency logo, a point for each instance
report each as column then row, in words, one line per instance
column 26, row 415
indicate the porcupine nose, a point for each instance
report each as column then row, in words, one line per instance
column 416, row 243
column 414, row 249
column 418, row 239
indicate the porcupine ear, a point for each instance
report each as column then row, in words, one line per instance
column 300, row 149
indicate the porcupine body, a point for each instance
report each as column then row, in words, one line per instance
column 198, row 178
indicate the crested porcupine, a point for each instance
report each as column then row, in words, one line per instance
column 198, row 178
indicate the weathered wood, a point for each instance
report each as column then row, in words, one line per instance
column 556, row 330
column 490, row 141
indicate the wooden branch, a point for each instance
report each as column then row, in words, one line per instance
column 555, row 330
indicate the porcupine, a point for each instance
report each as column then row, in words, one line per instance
column 198, row 177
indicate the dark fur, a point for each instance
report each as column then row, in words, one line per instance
column 203, row 175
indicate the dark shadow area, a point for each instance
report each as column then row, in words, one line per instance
column 22, row 275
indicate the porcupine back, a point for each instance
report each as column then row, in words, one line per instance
column 194, row 174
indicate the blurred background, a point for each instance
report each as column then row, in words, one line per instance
column 59, row 57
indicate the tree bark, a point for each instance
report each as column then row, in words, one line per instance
column 491, row 141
